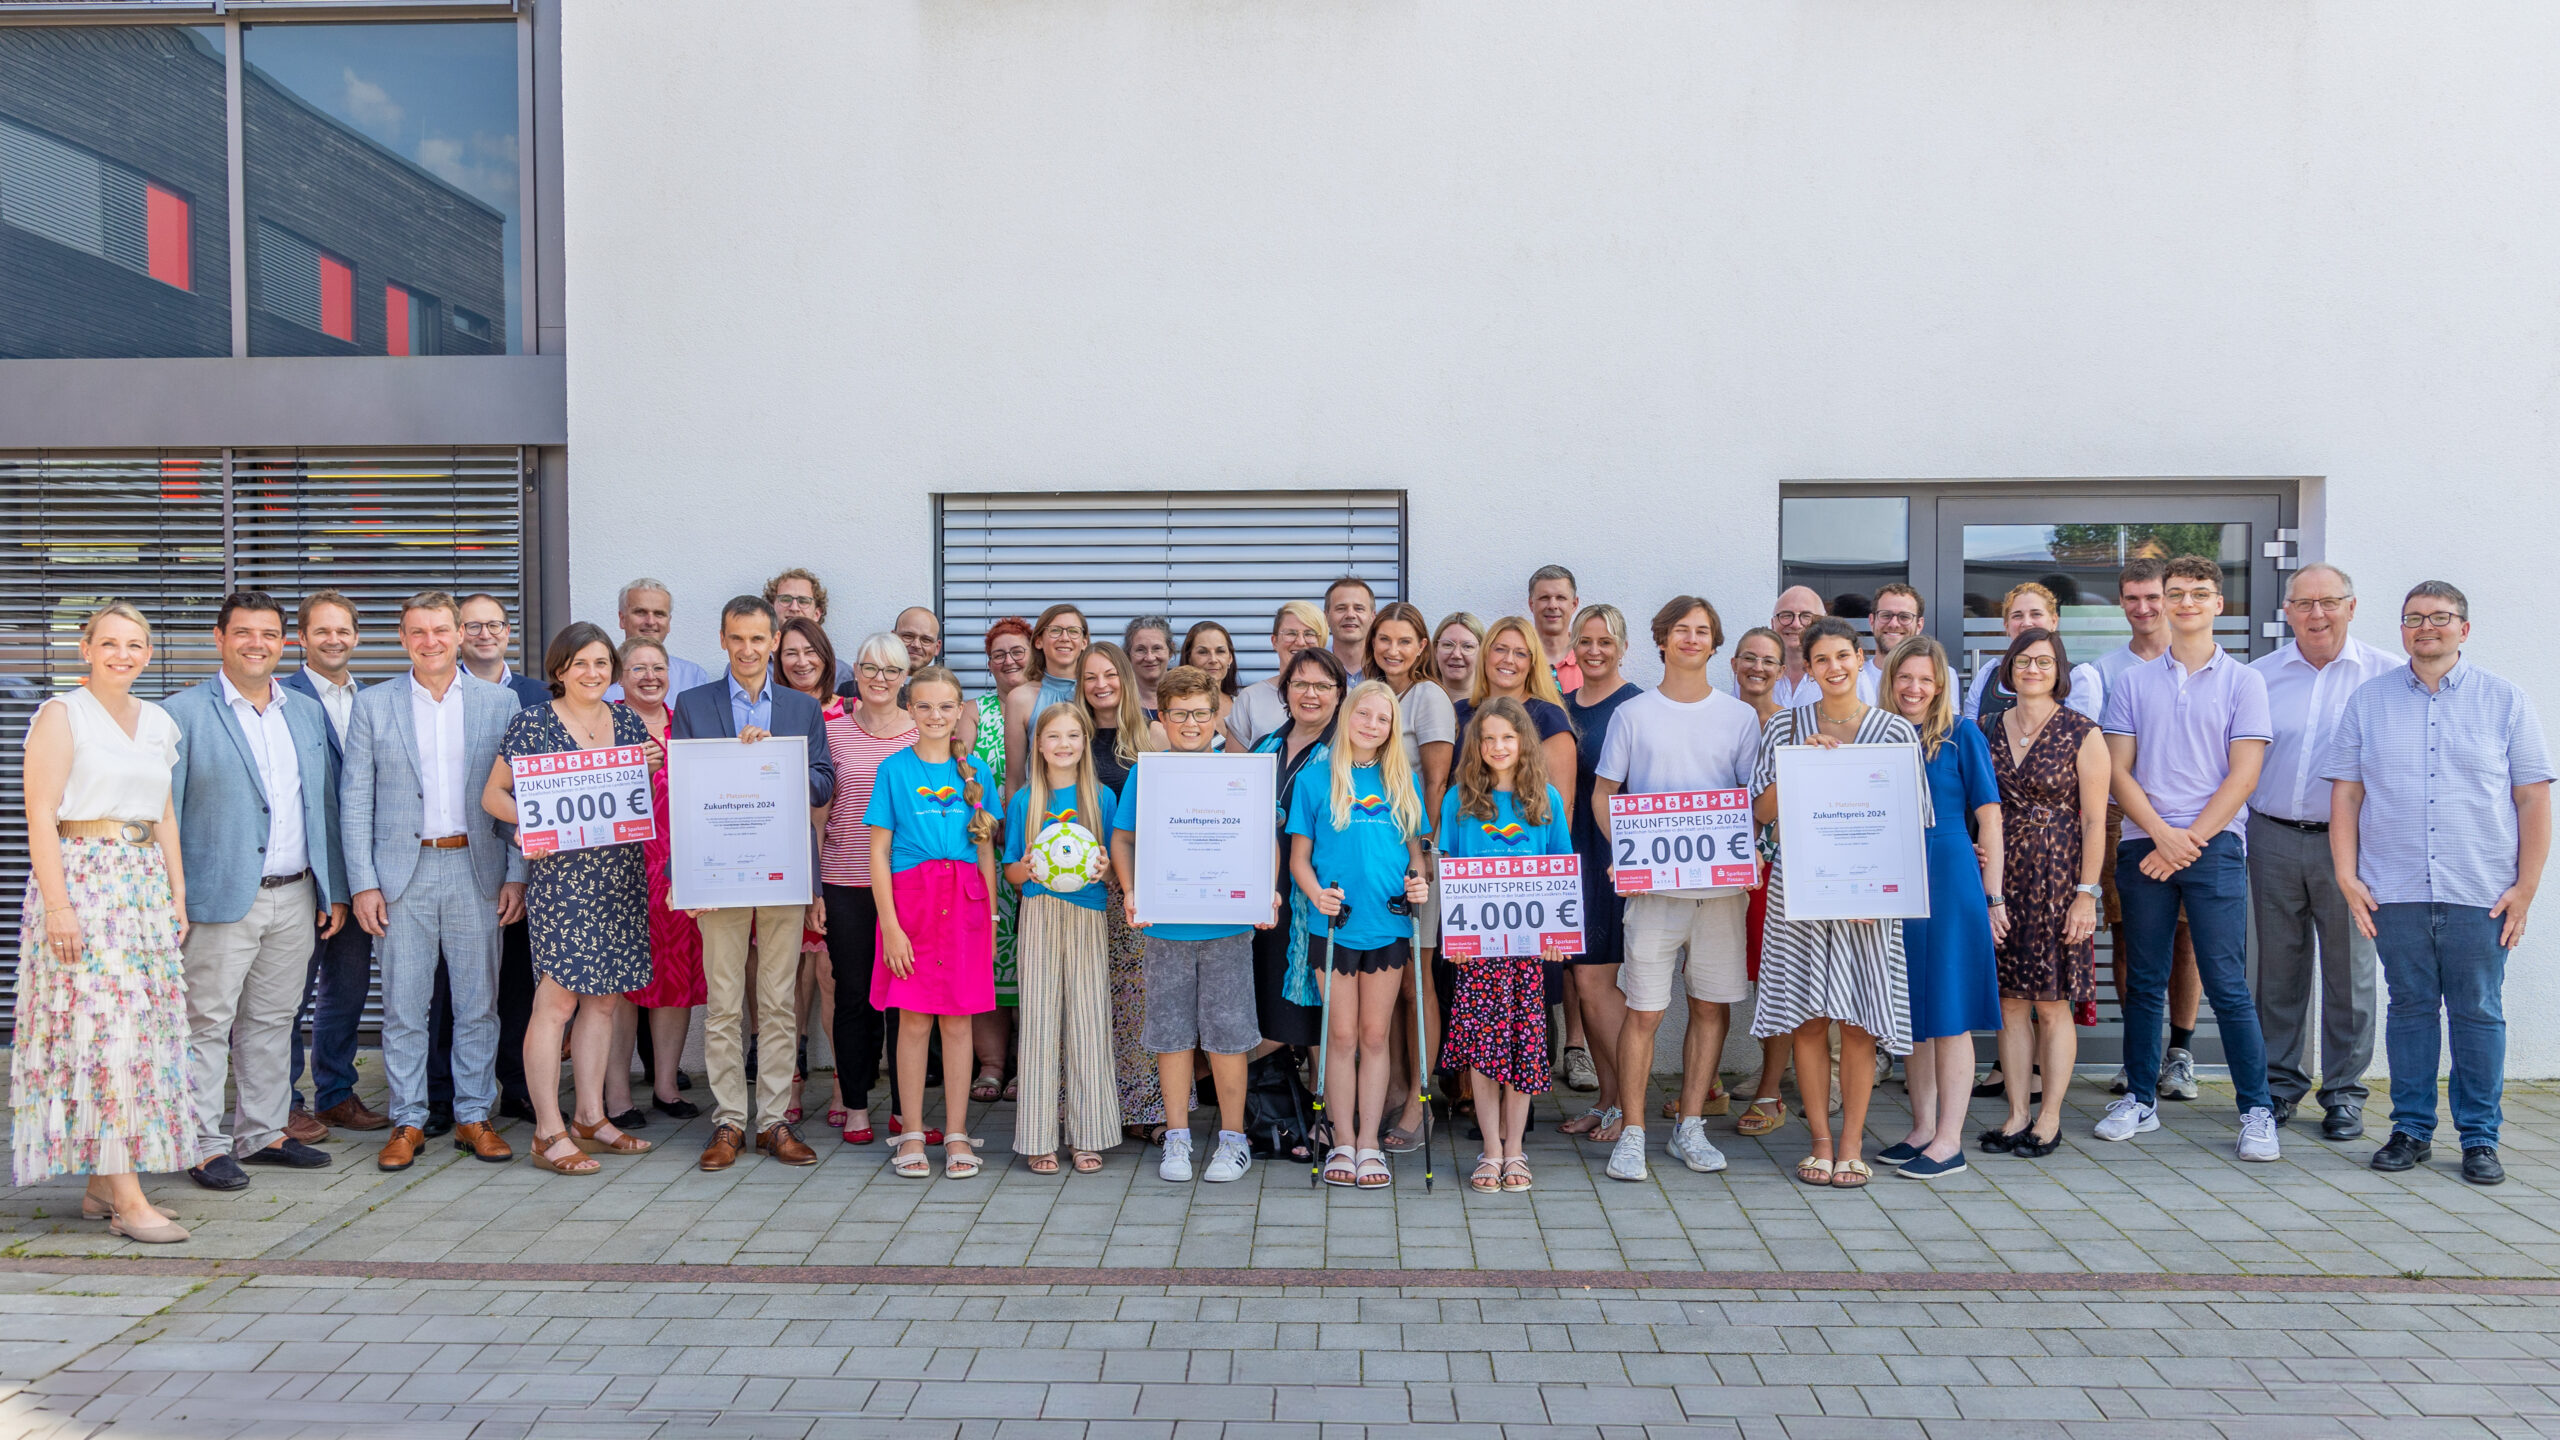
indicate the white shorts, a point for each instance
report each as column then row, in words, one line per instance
column 1714, row 930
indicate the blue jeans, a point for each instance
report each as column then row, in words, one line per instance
column 2444, row 961
column 2215, row 892
column 333, row 1005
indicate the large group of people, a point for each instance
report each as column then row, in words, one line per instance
column 214, row 872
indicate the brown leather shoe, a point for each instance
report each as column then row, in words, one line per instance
column 784, row 1144
column 482, row 1143
column 302, row 1125
column 722, row 1152
column 351, row 1114
column 401, row 1150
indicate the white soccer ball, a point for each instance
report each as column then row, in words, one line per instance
column 1065, row 858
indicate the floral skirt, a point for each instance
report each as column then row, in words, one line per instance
column 1008, row 919
column 1141, row 1088
column 98, row 1082
column 1498, row 1022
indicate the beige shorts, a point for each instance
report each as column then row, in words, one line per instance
column 1657, row 926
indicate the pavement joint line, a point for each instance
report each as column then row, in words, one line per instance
column 1296, row 1278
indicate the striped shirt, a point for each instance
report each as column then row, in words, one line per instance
column 845, row 856
column 2439, row 769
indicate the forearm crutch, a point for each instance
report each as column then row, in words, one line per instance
column 1324, row 1048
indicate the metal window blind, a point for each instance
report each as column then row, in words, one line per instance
column 170, row 532
column 1226, row 555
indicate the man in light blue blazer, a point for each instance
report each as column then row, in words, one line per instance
column 431, row 871
column 255, row 792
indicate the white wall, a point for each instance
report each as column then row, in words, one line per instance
column 1588, row 281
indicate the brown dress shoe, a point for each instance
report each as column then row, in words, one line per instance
column 351, row 1114
column 482, row 1143
column 401, row 1150
column 784, row 1144
column 722, row 1152
column 302, row 1125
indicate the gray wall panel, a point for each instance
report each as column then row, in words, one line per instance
column 372, row 401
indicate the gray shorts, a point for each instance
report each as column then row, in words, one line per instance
column 1200, row 994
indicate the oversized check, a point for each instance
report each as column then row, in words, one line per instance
column 1497, row 906
column 1682, row 840
column 1851, row 832
column 580, row 799
column 1206, row 850
column 738, row 823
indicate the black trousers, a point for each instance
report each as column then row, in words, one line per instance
column 857, row 1030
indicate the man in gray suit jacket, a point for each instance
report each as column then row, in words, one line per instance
column 256, row 793
column 432, row 872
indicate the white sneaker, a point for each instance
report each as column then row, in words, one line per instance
column 1690, row 1146
column 1626, row 1162
column 1176, row 1164
column 2127, row 1118
column 2177, row 1075
column 2258, row 1135
column 1234, row 1157
column 2120, row 1085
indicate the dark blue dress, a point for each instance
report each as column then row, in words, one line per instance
column 1955, row 973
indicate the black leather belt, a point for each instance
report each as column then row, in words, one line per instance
column 278, row 882
column 2308, row 827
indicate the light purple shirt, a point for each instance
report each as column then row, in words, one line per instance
column 2183, row 725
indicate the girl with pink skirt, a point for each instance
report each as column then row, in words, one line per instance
column 933, row 861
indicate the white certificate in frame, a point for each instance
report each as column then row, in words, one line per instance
column 738, row 823
column 1206, row 848
column 1852, row 832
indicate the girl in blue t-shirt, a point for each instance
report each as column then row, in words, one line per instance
column 1062, row 951
column 933, row 858
column 1502, row 808
column 1356, row 853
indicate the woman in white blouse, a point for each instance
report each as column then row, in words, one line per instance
column 98, row 1080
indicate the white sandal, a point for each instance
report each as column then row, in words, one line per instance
column 963, row 1165
column 911, row 1164
column 1349, row 1171
column 1373, row 1172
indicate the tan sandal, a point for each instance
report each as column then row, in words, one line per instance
column 1814, row 1170
column 1850, row 1175
column 1488, row 1176
column 1041, row 1164
column 578, row 1164
column 1515, row 1174
column 1088, row 1162
column 1765, row 1116
column 584, row 1137
column 148, row 1232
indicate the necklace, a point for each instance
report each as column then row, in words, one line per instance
column 1850, row 719
column 2028, row 740
column 585, row 734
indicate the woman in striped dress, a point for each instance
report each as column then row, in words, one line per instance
column 1816, row 972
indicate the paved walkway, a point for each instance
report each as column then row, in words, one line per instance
column 2174, row 1201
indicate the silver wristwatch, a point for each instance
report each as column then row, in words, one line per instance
column 2091, row 891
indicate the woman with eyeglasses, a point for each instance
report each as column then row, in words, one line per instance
column 991, row 1034
column 805, row 660
column 1313, row 680
column 1454, row 646
column 1260, row 707
column 2053, row 771
column 676, row 982
column 1057, row 638
column 847, row 915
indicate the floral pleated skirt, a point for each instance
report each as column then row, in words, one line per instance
column 98, row 1080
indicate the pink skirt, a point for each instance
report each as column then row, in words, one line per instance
column 943, row 906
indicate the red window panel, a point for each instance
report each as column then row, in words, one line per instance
column 337, row 297
column 395, row 320
column 167, row 217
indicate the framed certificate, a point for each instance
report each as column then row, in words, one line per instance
column 1852, row 833
column 738, row 823
column 1205, row 849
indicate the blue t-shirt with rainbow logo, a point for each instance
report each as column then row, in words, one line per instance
column 1020, row 829
column 1366, row 858
column 1506, row 835
column 925, row 809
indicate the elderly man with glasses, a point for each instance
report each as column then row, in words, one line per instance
column 2293, row 889
column 2439, row 821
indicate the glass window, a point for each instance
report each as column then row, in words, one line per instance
column 1843, row 547
column 385, row 189
column 2079, row 563
column 114, row 231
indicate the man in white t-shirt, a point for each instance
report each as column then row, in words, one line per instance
column 1684, row 735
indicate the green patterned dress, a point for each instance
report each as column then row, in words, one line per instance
column 988, row 753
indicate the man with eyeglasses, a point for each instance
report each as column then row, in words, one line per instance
column 2440, row 819
column 2293, row 888
column 797, row 594
column 2188, row 733
column 1895, row 618
column 485, row 636
column 920, row 630
column 1798, row 607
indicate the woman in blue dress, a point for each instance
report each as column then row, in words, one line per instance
column 1951, row 959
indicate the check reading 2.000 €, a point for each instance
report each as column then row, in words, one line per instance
column 738, row 823
column 1681, row 840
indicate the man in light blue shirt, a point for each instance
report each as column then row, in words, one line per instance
column 2188, row 733
column 2440, row 819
